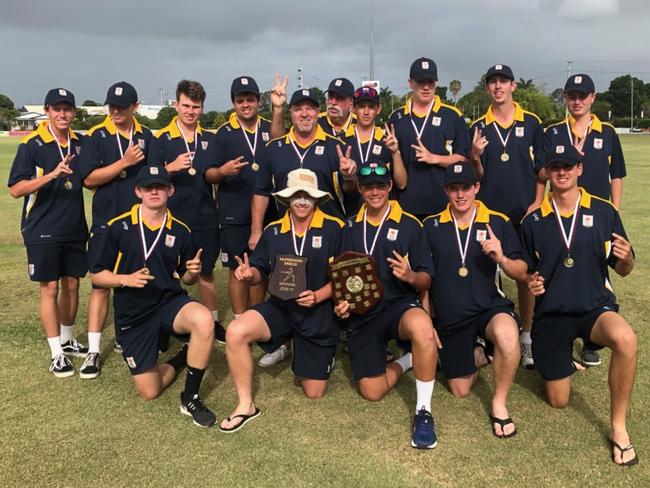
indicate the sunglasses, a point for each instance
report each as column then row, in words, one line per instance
column 379, row 171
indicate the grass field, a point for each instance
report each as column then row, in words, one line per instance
column 73, row 432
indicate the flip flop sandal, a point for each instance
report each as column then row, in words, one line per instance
column 502, row 423
column 244, row 421
column 630, row 462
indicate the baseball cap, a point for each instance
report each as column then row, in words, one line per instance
column 59, row 95
column 561, row 154
column 580, row 83
column 460, row 173
column 152, row 175
column 302, row 95
column 121, row 94
column 374, row 173
column 499, row 70
column 366, row 93
column 342, row 86
column 423, row 69
column 244, row 84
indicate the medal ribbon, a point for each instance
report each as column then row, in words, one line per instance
column 187, row 146
column 253, row 146
column 145, row 251
column 59, row 145
column 293, row 236
column 462, row 249
column 567, row 240
column 301, row 157
column 119, row 143
column 418, row 133
column 374, row 240
column 370, row 143
column 498, row 131
column 577, row 145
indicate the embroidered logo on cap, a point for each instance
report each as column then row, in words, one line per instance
column 338, row 82
column 577, row 80
column 305, row 93
column 63, row 93
column 559, row 149
column 153, row 170
column 244, row 81
column 498, row 67
column 458, row 168
column 425, row 64
column 118, row 91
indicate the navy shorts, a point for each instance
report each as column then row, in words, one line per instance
column 54, row 260
column 140, row 343
column 553, row 337
column 313, row 359
column 208, row 240
column 367, row 338
column 458, row 342
column 234, row 242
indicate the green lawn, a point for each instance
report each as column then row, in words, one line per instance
column 67, row 432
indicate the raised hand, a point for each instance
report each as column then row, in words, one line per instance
column 347, row 166
column 422, row 154
column 182, row 162
column 279, row 91
column 138, row 279
column 133, row 154
column 194, row 265
column 535, row 283
column 390, row 139
column 233, row 167
column 400, row 267
column 492, row 246
column 63, row 168
column 621, row 248
column 479, row 143
column 243, row 271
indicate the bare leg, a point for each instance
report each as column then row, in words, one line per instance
column 152, row 382
column 98, row 309
column 238, row 292
column 207, row 291
column 49, row 309
column 68, row 300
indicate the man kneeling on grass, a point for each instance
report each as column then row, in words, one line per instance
column 145, row 254
column 308, row 234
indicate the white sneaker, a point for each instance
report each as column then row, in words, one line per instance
column 527, row 356
column 273, row 358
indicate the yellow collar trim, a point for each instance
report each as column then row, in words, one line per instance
column 47, row 137
column 234, row 122
column 482, row 214
column 319, row 136
column 547, row 206
column 395, row 213
column 112, row 128
column 378, row 133
column 490, row 118
column 174, row 131
column 134, row 217
column 596, row 124
column 316, row 221
column 437, row 103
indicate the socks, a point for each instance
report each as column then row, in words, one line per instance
column 67, row 333
column 405, row 362
column 55, row 346
column 424, row 390
column 94, row 340
column 524, row 338
column 215, row 315
column 235, row 316
column 180, row 360
column 193, row 382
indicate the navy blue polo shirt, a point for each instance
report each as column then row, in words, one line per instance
column 326, row 124
column 585, row 286
column 444, row 134
column 193, row 199
column 100, row 149
column 235, row 192
column 320, row 248
column 401, row 232
column 457, row 299
column 320, row 157
column 509, row 186
column 603, row 160
column 121, row 252
column 53, row 213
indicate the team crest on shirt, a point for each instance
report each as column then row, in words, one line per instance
column 125, row 225
column 141, row 144
column 265, row 136
column 131, row 362
column 77, row 150
column 204, row 145
column 103, row 134
column 320, row 150
column 598, row 143
column 317, row 242
column 224, row 257
column 392, row 234
column 481, row 235
column 170, row 240
column 519, row 132
column 30, row 268
column 587, row 220
column 376, row 150
column 436, row 121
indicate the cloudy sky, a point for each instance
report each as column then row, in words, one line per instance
column 87, row 45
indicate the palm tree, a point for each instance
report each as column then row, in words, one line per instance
column 525, row 83
column 454, row 88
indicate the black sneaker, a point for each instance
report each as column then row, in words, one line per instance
column 74, row 348
column 61, row 366
column 201, row 415
column 91, row 367
column 590, row 357
column 219, row 333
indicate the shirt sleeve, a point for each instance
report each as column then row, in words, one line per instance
column 220, row 147
column 529, row 243
column 156, row 153
column 89, row 158
column 107, row 252
column 420, row 253
column 617, row 228
column 538, row 141
column 186, row 252
column 510, row 243
column 23, row 167
column 462, row 143
column 260, row 258
column 546, row 144
column 617, row 164
column 264, row 178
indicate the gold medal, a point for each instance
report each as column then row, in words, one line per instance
column 191, row 171
column 123, row 174
column 505, row 157
column 463, row 271
column 68, row 185
column 145, row 270
column 255, row 167
column 569, row 262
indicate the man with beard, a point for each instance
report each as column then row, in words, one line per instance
column 338, row 117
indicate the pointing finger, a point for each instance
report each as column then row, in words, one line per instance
column 492, row 235
column 198, row 254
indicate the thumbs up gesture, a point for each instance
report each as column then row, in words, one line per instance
column 194, row 265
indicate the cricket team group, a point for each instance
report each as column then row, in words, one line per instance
column 444, row 209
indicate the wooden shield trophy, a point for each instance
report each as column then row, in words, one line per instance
column 289, row 276
column 354, row 278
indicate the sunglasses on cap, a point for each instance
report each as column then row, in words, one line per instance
column 379, row 171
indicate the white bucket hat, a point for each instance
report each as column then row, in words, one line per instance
column 302, row 180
